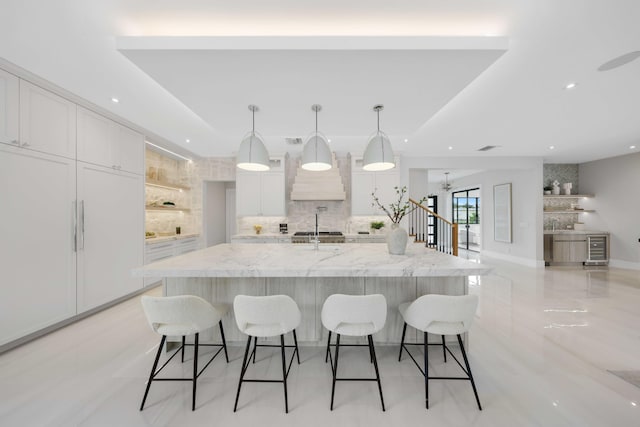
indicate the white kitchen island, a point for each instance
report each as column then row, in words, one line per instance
column 309, row 276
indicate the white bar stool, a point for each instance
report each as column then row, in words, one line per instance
column 181, row 316
column 356, row 316
column 440, row 315
column 263, row 317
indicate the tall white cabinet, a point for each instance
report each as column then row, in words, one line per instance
column 111, row 224
column 363, row 183
column 37, row 249
column 71, row 230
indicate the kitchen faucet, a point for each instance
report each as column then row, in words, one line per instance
column 554, row 221
column 316, row 239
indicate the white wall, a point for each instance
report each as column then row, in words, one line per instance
column 614, row 182
column 419, row 183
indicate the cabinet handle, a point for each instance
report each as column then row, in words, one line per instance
column 74, row 207
column 25, row 144
column 15, row 142
column 82, row 224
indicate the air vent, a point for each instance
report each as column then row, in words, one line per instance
column 488, row 147
column 293, row 141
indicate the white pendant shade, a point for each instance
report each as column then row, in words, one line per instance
column 252, row 154
column 378, row 156
column 316, row 155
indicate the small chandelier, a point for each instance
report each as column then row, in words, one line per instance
column 378, row 156
column 316, row 155
column 445, row 185
column 252, row 154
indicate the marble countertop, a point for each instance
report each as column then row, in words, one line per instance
column 301, row 260
column 161, row 239
column 575, row 232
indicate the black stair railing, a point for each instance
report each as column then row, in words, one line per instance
column 433, row 230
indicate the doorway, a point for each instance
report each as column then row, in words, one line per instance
column 218, row 212
column 465, row 206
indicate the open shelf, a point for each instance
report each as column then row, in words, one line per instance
column 162, row 208
column 168, row 185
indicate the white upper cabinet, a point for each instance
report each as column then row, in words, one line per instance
column 95, row 133
column 363, row 183
column 261, row 193
column 9, row 108
column 47, row 121
column 102, row 141
column 129, row 150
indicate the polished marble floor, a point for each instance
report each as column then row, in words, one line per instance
column 541, row 348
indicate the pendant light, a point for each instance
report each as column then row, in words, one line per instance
column 316, row 155
column 252, row 154
column 378, row 156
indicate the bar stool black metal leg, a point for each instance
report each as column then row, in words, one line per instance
column 195, row 372
column 375, row 365
column 404, row 331
column 326, row 356
column 444, row 350
column 295, row 341
column 426, row 371
column 335, row 369
column 284, row 374
column 153, row 371
column 224, row 342
column 242, row 371
column 255, row 348
column 183, row 346
column 466, row 362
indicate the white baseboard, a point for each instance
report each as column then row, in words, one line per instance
column 618, row 263
column 514, row 259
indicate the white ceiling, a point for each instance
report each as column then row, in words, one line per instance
column 517, row 103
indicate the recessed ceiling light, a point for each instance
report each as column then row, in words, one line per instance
column 328, row 140
column 187, row 140
column 450, row 148
column 632, row 147
column 571, row 85
column 115, row 100
column 634, row 404
column 551, row 147
column 406, row 140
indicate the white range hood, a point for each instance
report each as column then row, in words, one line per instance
column 325, row 185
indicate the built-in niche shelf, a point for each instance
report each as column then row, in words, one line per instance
column 567, row 196
column 167, row 185
column 568, row 211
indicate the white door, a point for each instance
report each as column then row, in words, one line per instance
column 47, row 121
column 112, row 241
column 38, row 285
column 9, row 108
